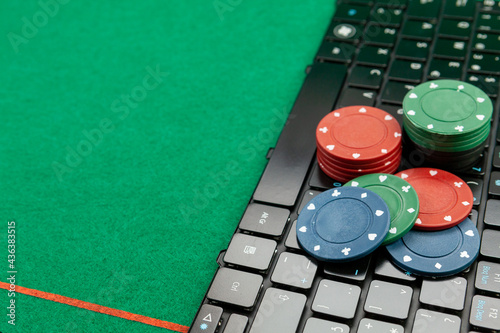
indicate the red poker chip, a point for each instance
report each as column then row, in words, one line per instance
column 345, row 175
column 379, row 163
column 358, row 134
column 445, row 199
column 357, row 170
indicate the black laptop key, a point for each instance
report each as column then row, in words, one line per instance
column 424, row 9
column 387, row 16
column 476, row 186
column 291, row 240
column 420, row 30
column 447, row 293
column 457, row 29
column 354, row 270
column 320, row 180
column 490, row 6
column 376, row 34
column 250, row 251
column 496, row 157
column 373, row 55
column 294, row 270
column 488, row 276
column 450, row 48
column 336, row 299
column 308, row 196
column 368, row 325
column 488, row 22
column 494, row 188
column 286, row 307
column 485, row 312
column 388, row 299
column 315, row 325
column 412, row 50
column 427, row 321
column 366, row 77
column 355, row 96
column 492, row 213
column 345, row 32
column 352, row 13
column 235, row 287
column 490, row 244
column 408, row 71
column 236, row 324
column 394, row 92
column 264, row 219
column 474, row 215
column 207, row 320
column 336, row 52
column 486, row 42
column 445, row 69
column 463, row 9
column 485, row 63
column 487, row 83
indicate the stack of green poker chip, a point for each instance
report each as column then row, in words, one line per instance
column 448, row 121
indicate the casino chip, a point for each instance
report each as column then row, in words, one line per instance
column 445, row 199
column 343, row 224
column 358, row 140
column 445, row 120
column 400, row 197
column 437, row 253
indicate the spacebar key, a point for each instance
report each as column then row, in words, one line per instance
column 283, row 177
column 279, row 311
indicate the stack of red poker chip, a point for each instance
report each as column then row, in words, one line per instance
column 358, row 140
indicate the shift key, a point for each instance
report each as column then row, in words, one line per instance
column 279, row 311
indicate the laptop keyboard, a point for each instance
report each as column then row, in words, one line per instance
column 372, row 54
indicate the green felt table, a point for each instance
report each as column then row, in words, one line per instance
column 133, row 134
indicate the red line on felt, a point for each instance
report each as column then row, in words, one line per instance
column 97, row 308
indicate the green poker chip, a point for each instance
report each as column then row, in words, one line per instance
column 448, row 107
column 448, row 122
column 400, row 197
column 440, row 143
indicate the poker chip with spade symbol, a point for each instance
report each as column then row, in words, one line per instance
column 343, row 224
column 400, row 197
column 358, row 140
column 445, row 199
column 447, row 122
column 437, row 253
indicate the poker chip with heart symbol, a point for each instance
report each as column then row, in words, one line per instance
column 445, row 199
column 358, row 140
column 343, row 224
column 400, row 197
column 437, row 253
column 447, row 122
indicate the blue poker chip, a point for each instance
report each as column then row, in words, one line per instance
column 343, row 224
column 437, row 253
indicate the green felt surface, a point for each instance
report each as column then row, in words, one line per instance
column 125, row 185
